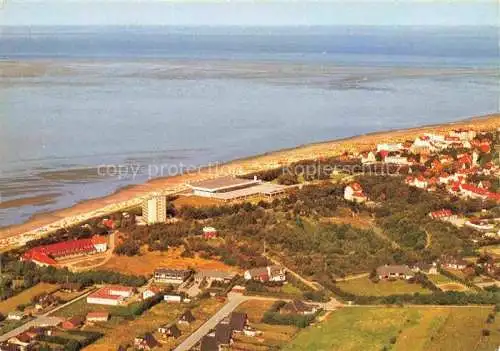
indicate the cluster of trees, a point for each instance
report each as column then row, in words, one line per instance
column 85, row 338
column 435, row 298
column 32, row 274
column 273, row 316
column 231, row 252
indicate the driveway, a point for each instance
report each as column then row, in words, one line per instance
column 42, row 321
column 234, row 300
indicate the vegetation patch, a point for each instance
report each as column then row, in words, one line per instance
column 365, row 287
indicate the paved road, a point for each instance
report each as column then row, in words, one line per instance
column 234, row 300
column 69, row 303
column 43, row 320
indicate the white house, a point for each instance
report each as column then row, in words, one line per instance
column 397, row 160
column 15, row 316
column 266, row 274
column 172, row 298
column 368, row 157
column 390, row 147
column 354, row 193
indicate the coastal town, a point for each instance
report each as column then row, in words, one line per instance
column 259, row 260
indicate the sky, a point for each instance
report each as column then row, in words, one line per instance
column 248, row 13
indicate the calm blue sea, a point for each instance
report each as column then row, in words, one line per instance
column 74, row 98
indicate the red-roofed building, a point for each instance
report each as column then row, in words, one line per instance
column 354, row 192
column 443, row 215
column 112, row 295
column 47, row 255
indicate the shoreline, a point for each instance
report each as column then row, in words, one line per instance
column 132, row 195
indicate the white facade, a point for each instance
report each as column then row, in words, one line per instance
column 369, row 158
column 104, row 301
column 398, row 160
column 389, row 147
column 172, row 298
column 154, row 210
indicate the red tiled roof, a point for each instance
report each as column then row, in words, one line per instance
column 46, row 253
column 441, row 213
column 107, row 292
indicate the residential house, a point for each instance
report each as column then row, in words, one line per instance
column 22, row 341
column 426, row 268
column 454, row 263
column 265, row 274
column 394, row 271
column 397, row 160
column 72, row 323
column 213, row 275
column 209, row 343
column 238, row 321
column 390, row 147
column 354, row 193
column 150, row 291
column 223, row 334
column 418, row 182
column 16, row 316
column 444, row 215
column 187, row 317
column 71, row 287
column 172, row 298
column 170, row 276
column 298, row 307
column 170, row 331
column 209, row 233
column 146, row 342
column 368, row 157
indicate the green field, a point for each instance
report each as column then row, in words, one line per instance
column 401, row 329
column 365, row 287
column 25, row 296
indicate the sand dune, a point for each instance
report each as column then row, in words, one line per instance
column 132, row 195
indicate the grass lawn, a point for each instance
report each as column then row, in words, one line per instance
column 440, row 279
column 493, row 250
column 254, row 309
column 273, row 337
column 81, row 308
column 148, row 261
column 25, row 296
column 364, row 286
column 445, row 283
column 291, row 289
column 401, row 329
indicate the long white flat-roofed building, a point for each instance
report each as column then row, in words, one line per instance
column 233, row 188
column 210, row 187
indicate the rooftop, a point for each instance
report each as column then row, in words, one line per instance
column 222, row 183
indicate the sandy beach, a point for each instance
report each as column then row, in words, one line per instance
column 133, row 195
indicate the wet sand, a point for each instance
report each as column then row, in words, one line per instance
column 30, row 201
column 132, row 195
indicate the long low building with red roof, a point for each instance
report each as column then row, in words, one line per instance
column 111, row 295
column 47, row 255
